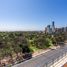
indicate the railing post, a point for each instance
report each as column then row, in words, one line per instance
column 46, row 64
column 53, row 62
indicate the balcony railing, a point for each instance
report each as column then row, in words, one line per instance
column 55, row 58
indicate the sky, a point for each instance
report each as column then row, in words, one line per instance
column 28, row 15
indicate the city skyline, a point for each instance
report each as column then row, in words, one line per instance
column 28, row 15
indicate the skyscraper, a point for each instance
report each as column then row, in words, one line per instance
column 50, row 28
column 53, row 26
column 53, row 23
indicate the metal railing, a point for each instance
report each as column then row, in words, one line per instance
column 54, row 58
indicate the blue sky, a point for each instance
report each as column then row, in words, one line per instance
column 32, row 14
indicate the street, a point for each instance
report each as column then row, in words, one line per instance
column 40, row 60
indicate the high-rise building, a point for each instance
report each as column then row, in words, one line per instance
column 53, row 26
column 48, row 29
column 66, row 29
column 53, row 23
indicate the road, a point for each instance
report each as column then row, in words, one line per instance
column 40, row 60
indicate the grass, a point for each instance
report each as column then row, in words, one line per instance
column 33, row 48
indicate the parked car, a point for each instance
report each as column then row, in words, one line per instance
column 27, row 56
